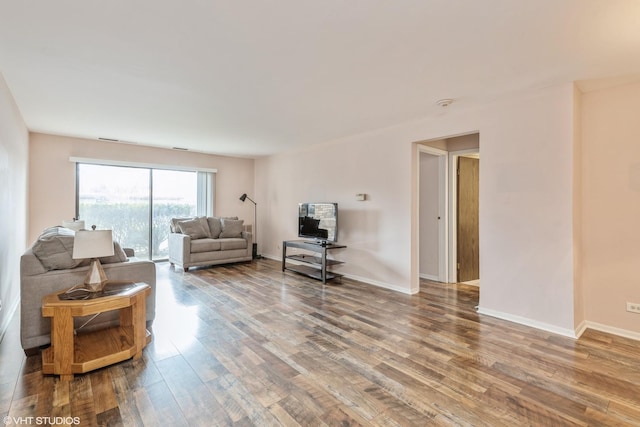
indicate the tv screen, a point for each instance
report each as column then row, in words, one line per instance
column 318, row 221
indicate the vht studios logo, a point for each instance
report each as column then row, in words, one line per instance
column 41, row 421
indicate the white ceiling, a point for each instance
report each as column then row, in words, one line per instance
column 252, row 78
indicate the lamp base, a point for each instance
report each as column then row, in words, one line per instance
column 96, row 277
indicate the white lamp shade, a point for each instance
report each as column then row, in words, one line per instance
column 74, row 225
column 92, row 244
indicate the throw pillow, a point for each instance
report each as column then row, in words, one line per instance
column 173, row 224
column 54, row 248
column 205, row 224
column 193, row 228
column 215, row 226
column 231, row 228
column 118, row 255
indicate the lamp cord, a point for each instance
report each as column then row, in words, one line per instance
column 75, row 331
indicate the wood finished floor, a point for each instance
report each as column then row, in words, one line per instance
column 245, row 344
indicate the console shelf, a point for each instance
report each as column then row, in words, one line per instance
column 313, row 265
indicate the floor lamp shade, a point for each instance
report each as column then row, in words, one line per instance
column 93, row 244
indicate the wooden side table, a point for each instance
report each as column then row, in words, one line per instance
column 72, row 353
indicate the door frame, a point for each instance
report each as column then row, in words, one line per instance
column 453, row 209
column 443, row 209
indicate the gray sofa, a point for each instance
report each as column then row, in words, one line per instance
column 51, row 269
column 205, row 241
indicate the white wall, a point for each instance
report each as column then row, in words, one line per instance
column 375, row 230
column 14, row 146
column 611, row 207
column 526, row 210
column 52, row 175
column 526, row 237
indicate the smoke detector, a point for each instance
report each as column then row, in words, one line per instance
column 444, row 102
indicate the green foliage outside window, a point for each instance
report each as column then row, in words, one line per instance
column 130, row 223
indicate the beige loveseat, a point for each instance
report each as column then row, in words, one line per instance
column 47, row 267
column 204, row 241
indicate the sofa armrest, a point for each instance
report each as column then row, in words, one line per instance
column 179, row 248
column 248, row 237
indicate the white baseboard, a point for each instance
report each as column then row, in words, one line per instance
column 362, row 279
column 382, row 284
column 275, row 258
column 430, row 277
column 528, row 322
column 612, row 330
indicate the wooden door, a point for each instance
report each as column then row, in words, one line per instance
column 468, row 248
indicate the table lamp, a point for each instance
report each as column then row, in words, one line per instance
column 93, row 244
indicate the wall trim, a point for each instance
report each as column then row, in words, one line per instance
column 361, row 279
column 625, row 333
column 384, row 285
column 528, row 322
column 429, row 277
column 581, row 328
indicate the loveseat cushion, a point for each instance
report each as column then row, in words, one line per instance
column 231, row 228
column 204, row 245
column 230, row 244
column 194, row 228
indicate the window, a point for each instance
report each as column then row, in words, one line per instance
column 137, row 203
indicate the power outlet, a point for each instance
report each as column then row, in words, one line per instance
column 633, row 307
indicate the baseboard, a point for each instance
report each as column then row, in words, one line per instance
column 382, row 285
column 363, row 280
column 612, row 330
column 528, row 322
column 275, row 258
column 581, row 328
column 430, row 277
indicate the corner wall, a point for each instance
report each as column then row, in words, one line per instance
column 14, row 146
column 52, row 176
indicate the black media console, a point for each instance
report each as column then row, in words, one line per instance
column 313, row 265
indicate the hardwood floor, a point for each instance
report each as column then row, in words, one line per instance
column 245, row 344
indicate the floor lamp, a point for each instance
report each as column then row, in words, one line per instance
column 255, row 225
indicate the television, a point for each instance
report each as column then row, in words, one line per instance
column 318, row 221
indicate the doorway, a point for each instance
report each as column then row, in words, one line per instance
column 458, row 209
